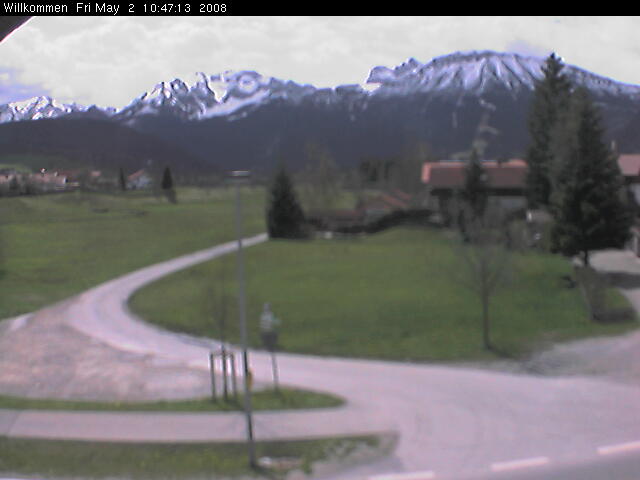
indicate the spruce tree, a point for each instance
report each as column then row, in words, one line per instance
column 588, row 203
column 551, row 98
column 474, row 192
column 285, row 218
column 122, row 182
column 167, row 185
column 167, row 179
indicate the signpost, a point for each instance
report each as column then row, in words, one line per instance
column 269, row 332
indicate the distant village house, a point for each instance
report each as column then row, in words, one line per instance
column 505, row 183
column 139, row 180
column 366, row 211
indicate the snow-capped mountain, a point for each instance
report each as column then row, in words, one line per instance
column 474, row 73
column 450, row 103
column 37, row 108
column 481, row 72
column 225, row 94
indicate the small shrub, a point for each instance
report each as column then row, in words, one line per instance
column 594, row 290
column 616, row 315
column 597, row 290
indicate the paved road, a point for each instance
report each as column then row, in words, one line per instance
column 451, row 421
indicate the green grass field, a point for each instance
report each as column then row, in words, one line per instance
column 261, row 400
column 394, row 295
column 54, row 246
column 74, row 459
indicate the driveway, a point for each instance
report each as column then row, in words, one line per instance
column 451, row 421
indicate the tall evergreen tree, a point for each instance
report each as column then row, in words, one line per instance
column 474, row 192
column 122, row 181
column 551, row 98
column 285, row 218
column 167, row 179
column 167, row 185
column 588, row 203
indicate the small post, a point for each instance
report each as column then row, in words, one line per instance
column 213, row 376
column 225, row 389
column 234, row 383
column 274, row 366
column 269, row 332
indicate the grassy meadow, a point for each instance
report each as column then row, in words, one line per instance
column 283, row 399
column 103, row 460
column 396, row 295
column 54, row 246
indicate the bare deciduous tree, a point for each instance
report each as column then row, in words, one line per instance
column 486, row 264
column 321, row 179
column 407, row 169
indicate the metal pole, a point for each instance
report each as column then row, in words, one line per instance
column 243, row 331
column 225, row 390
column 274, row 367
column 233, row 376
column 212, row 367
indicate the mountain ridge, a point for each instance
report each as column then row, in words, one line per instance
column 452, row 103
column 225, row 93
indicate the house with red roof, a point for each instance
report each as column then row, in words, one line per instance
column 630, row 167
column 383, row 204
column 505, row 181
column 365, row 212
column 629, row 164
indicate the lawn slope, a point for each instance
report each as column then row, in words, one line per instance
column 396, row 295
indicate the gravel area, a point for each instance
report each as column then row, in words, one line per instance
column 609, row 358
column 41, row 356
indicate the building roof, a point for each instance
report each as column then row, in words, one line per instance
column 138, row 174
column 393, row 200
column 629, row 164
column 48, row 178
column 509, row 174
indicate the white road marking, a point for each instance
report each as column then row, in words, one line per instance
column 515, row 464
column 621, row 447
column 405, row 476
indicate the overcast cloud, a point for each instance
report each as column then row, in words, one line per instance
column 111, row 60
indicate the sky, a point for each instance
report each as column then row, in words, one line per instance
column 109, row 61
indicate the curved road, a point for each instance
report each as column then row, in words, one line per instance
column 451, row 422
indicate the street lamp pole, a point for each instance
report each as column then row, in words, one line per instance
column 238, row 175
